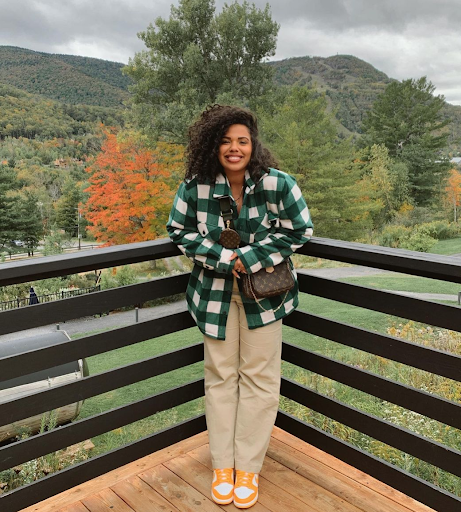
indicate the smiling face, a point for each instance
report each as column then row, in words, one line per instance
column 235, row 149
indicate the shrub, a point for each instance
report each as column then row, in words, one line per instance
column 418, row 241
column 393, row 235
column 442, row 229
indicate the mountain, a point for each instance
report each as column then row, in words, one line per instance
column 66, row 78
column 351, row 84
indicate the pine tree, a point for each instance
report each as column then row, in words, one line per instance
column 30, row 227
column 8, row 207
column 407, row 119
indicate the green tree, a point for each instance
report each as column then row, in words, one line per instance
column 407, row 118
column 197, row 57
column 55, row 242
column 8, row 206
column 30, row 228
column 303, row 136
column 387, row 179
column 67, row 208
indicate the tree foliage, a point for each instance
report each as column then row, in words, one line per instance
column 8, row 206
column 453, row 192
column 29, row 116
column 303, row 136
column 68, row 214
column 19, row 214
column 131, row 190
column 407, row 119
column 387, row 179
column 197, row 56
column 30, row 226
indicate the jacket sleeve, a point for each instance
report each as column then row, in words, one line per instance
column 293, row 231
column 183, row 231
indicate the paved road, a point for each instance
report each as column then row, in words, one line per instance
column 112, row 321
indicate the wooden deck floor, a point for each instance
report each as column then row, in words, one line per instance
column 296, row 477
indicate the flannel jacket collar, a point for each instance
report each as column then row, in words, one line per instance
column 222, row 186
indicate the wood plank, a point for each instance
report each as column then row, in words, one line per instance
column 318, row 498
column 141, row 497
column 271, row 496
column 182, row 495
column 76, row 507
column 106, row 501
column 336, row 482
column 350, row 471
column 75, row 494
column 199, row 476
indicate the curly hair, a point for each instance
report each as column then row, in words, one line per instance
column 205, row 137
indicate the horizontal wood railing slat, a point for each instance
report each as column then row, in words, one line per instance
column 425, row 358
column 433, row 266
column 432, row 313
column 419, row 489
column 72, row 350
column 418, row 401
column 97, row 466
column 82, row 261
column 409, row 442
column 398, row 260
column 65, row 394
column 90, row 304
column 68, row 435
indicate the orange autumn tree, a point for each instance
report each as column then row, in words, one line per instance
column 131, row 189
column 453, row 191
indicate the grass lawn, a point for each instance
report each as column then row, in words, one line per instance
column 143, row 389
column 405, row 283
column 447, row 247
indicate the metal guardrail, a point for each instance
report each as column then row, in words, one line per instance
column 396, row 349
column 50, row 297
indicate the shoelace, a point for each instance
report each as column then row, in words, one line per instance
column 243, row 479
column 225, row 474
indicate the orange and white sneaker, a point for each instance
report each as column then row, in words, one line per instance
column 246, row 489
column 222, row 487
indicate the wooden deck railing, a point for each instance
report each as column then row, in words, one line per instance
column 418, row 356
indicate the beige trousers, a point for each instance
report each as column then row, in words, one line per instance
column 242, row 388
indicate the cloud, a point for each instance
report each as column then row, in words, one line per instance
column 401, row 43
column 103, row 28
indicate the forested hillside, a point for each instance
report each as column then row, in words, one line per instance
column 352, row 85
column 69, row 79
column 30, row 116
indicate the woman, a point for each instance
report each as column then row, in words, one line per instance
column 242, row 337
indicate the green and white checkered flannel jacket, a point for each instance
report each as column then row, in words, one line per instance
column 274, row 221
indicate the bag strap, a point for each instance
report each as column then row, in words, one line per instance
column 227, row 212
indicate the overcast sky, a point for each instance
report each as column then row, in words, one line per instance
column 402, row 38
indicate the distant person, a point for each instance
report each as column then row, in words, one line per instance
column 226, row 164
column 33, row 299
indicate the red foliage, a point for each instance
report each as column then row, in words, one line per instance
column 131, row 190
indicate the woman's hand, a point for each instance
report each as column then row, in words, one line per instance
column 238, row 266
